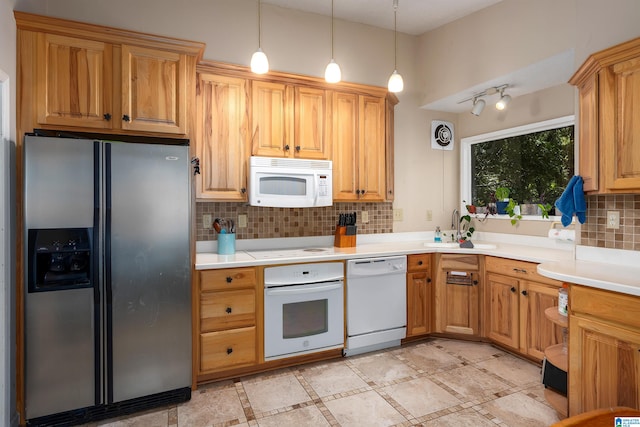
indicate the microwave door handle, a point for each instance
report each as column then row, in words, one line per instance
column 316, row 187
column 306, row 290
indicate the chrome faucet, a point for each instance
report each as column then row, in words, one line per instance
column 455, row 223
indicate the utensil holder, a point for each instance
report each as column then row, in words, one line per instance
column 226, row 244
column 344, row 240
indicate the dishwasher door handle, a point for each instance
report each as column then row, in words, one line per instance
column 305, row 289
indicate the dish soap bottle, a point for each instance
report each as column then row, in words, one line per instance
column 438, row 235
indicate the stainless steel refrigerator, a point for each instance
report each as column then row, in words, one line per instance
column 107, row 277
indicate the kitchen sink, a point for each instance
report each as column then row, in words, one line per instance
column 452, row 245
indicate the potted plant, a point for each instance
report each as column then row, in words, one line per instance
column 545, row 209
column 502, row 199
column 513, row 210
column 466, row 229
column 471, row 208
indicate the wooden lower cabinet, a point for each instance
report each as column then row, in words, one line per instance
column 419, row 295
column 604, row 350
column 457, row 297
column 227, row 336
column 516, row 298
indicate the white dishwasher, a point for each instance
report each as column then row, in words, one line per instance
column 376, row 303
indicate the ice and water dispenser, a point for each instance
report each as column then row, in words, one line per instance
column 60, row 259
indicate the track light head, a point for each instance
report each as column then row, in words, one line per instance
column 478, row 106
column 503, row 101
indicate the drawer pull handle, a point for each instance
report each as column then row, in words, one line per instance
column 520, row 270
column 228, row 310
column 229, row 279
column 229, row 350
column 513, row 289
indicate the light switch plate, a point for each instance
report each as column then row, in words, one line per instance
column 613, row 219
column 429, row 215
column 242, row 221
column 206, row 221
column 364, row 217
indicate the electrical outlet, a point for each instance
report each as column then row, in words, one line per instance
column 429, row 215
column 364, row 217
column 206, row 221
column 397, row 214
column 613, row 219
column 242, row 221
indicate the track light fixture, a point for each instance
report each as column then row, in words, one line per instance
column 332, row 73
column 259, row 61
column 479, row 103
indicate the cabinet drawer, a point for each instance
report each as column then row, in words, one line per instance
column 228, row 279
column 418, row 262
column 613, row 306
column 227, row 310
column 518, row 269
column 227, row 349
column 459, row 262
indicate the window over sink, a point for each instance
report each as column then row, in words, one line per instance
column 535, row 162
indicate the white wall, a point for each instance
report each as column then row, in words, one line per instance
column 8, row 414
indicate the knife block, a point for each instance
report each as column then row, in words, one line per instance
column 344, row 240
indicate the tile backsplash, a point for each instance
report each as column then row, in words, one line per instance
column 594, row 231
column 293, row 222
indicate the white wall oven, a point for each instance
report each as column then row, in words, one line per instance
column 303, row 309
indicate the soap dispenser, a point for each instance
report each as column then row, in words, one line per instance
column 438, row 235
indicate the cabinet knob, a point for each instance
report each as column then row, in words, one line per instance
column 107, row 116
column 243, row 190
column 297, row 148
column 229, row 350
column 126, row 118
column 475, row 283
column 228, row 310
column 420, row 262
column 428, row 279
column 286, row 147
column 390, row 191
column 229, row 279
column 513, row 289
column 524, row 293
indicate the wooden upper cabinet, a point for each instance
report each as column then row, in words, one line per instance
column 609, row 132
column 74, row 82
column 222, row 137
column 311, row 123
column 86, row 77
column 154, row 90
column 359, row 147
column 271, row 121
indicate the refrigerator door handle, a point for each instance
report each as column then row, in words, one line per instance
column 108, row 273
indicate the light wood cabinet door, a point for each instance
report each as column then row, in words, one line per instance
column 222, row 137
column 372, row 149
column 457, row 294
column 503, row 314
column 311, row 123
column 271, row 107
column 604, row 365
column 154, row 90
column 419, row 303
column 537, row 332
column 228, row 279
column 621, row 133
column 74, row 82
column 588, row 139
column 345, row 146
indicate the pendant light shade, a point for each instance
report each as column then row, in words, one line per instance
column 396, row 84
column 259, row 61
column 332, row 73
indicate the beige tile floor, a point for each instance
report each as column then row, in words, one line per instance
column 437, row 382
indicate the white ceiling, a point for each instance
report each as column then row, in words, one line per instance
column 414, row 16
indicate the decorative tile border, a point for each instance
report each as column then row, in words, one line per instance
column 265, row 223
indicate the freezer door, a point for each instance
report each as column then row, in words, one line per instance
column 147, row 259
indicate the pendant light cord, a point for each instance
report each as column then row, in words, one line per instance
column 395, row 35
column 259, row 24
column 331, row 29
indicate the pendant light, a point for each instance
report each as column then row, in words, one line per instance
column 259, row 61
column 396, row 84
column 332, row 73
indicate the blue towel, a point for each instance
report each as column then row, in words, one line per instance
column 572, row 202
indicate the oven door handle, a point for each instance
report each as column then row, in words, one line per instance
column 303, row 290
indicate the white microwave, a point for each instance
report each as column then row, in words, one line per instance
column 290, row 183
